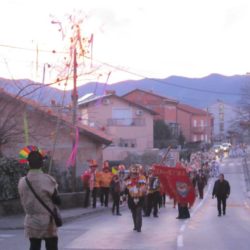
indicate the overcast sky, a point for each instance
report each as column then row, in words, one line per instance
column 153, row 38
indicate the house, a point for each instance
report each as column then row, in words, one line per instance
column 164, row 106
column 195, row 124
column 24, row 121
column 130, row 125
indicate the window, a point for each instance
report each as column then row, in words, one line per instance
column 123, row 116
column 195, row 138
column 127, row 143
column 195, row 123
column 202, row 123
column 202, row 137
column 221, row 127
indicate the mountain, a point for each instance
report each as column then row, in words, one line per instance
column 198, row 92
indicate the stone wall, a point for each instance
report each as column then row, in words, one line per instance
column 69, row 200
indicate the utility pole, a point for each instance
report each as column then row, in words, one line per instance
column 74, row 120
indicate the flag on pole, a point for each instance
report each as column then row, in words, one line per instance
column 176, row 183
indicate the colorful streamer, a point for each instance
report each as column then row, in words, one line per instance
column 72, row 158
column 26, row 128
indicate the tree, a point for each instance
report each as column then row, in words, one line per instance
column 181, row 139
column 240, row 129
column 162, row 133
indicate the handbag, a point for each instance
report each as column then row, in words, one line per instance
column 55, row 213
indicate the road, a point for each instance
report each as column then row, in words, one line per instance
column 203, row 231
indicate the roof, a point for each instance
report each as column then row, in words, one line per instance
column 96, row 134
column 192, row 110
column 96, row 98
column 152, row 93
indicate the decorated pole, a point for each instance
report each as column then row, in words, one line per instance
column 165, row 155
column 74, row 105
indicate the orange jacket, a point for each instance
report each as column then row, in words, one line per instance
column 105, row 179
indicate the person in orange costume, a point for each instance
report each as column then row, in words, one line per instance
column 91, row 183
column 136, row 189
column 105, row 181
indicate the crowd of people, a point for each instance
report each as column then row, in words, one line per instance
column 140, row 188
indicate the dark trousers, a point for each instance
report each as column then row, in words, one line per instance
column 50, row 243
column 87, row 196
column 162, row 202
column 94, row 195
column 201, row 192
column 116, row 203
column 153, row 201
column 137, row 217
column 104, row 196
column 183, row 211
column 223, row 201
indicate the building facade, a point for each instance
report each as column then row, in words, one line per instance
column 128, row 124
column 195, row 124
column 224, row 116
column 49, row 131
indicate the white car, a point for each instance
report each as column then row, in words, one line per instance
column 226, row 146
column 217, row 149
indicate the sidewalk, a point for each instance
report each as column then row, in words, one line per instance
column 16, row 221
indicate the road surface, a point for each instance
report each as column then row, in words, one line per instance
column 205, row 230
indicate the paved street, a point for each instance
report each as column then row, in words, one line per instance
column 203, row 231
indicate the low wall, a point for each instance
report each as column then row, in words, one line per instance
column 69, row 200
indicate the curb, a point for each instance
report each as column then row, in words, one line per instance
column 65, row 219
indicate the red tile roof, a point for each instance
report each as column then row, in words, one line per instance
column 191, row 109
column 152, row 93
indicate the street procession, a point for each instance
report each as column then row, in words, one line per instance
column 144, row 191
column 125, row 125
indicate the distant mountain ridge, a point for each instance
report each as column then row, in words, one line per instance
column 198, row 92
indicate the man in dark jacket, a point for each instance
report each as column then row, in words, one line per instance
column 221, row 191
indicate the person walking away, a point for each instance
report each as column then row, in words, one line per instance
column 201, row 182
column 115, row 189
column 221, row 191
column 38, row 222
column 136, row 188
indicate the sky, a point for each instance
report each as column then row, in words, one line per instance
column 139, row 38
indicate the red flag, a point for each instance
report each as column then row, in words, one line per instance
column 176, row 183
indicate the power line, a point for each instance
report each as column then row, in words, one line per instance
column 131, row 72
column 165, row 82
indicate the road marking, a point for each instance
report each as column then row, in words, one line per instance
column 183, row 227
column 6, row 235
column 180, row 241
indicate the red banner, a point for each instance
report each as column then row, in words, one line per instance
column 176, row 183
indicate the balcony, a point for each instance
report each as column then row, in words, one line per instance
column 129, row 122
column 199, row 130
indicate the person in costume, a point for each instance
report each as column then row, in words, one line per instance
column 38, row 223
column 115, row 189
column 91, row 183
column 106, row 177
column 136, row 189
column 153, row 194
